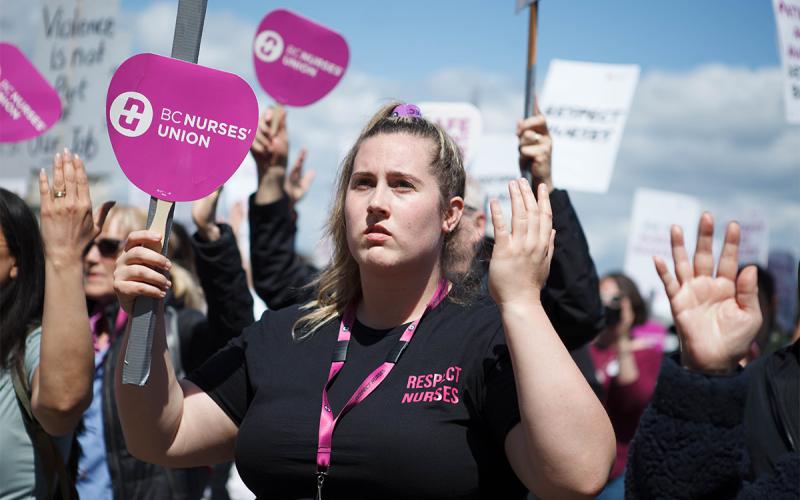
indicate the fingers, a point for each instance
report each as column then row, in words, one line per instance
column 81, row 181
column 729, row 258
column 671, row 286
column 145, row 257
column 683, row 268
column 297, row 167
column 519, row 213
column 100, row 216
column 703, row 256
column 136, row 280
column 545, row 212
column 59, row 184
column 501, row 235
column 69, row 177
column 44, row 189
column 143, row 237
column 747, row 289
column 536, row 123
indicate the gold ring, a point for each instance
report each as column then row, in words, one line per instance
column 59, row 194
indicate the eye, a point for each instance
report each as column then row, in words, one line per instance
column 361, row 183
column 403, row 185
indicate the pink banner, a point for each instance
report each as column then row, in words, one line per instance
column 29, row 105
column 298, row 61
column 179, row 130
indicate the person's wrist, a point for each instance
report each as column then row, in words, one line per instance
column 709, row 368
column 209, row 232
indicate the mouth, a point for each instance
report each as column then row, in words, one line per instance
column 377, row 233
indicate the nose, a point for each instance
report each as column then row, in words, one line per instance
column 92, row 256
column 379, row 201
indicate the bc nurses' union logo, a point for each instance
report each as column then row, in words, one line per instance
column 268, row 46
column 131, row 114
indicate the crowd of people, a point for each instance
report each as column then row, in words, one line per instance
column 429, row 359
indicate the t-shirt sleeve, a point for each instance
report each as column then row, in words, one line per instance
column 225, row 379
column 500, row 406
column 32, row 345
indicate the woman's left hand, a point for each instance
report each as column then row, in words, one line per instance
column 67, row 223
column 521, row 258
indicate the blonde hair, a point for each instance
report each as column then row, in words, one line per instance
column 339, row 284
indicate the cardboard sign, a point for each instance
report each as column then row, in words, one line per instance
column 76, row 45
column 787, row 19
column 654, row 212
column 297, row 61
column 495, row 165
column 754, row 242
column 461, row 120
column 179, row 130
column 521, row 4
column 29, row 105
column 586, row 105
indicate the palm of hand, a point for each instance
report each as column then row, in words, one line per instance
column 715, row 331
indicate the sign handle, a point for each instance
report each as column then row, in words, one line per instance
column 275, row 122
column 530, row 73
column 185, row 46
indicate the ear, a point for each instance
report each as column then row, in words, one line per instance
column 455, row 209
column 14, row 271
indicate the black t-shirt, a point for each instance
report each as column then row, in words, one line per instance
column 435, row 427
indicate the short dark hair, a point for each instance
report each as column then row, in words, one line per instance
column 21, row 299
column 629, row 290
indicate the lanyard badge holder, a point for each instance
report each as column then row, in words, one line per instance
column 327, row 423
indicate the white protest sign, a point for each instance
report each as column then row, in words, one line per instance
column 496, row 163
column 461, row 120
column 787, row 19
column 76, row 45
column 586, row 105
column 653, row 213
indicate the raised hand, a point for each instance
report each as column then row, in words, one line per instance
column 536, row 149
column 267, row 149
column 521, row 258
column 204, row 215
column 140, row 269
column 297, row 183
column 67, row 223
column 717, row 317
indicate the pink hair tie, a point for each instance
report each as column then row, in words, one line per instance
column 407, row 111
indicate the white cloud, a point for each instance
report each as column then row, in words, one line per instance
column 716, row 132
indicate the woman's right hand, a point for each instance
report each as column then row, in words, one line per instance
column 141, row 269
column 717, row 317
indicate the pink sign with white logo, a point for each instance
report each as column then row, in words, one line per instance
column 298, row 61
column 29, row 105
column 179, row 130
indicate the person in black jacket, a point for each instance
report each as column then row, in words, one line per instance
column 714, row 430
column 571, row 297
column 106, row 467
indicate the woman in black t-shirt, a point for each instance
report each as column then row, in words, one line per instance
column 335, row 399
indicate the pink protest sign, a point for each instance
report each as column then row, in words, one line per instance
column 297, row 61
column 179, row 130
column 29, row 105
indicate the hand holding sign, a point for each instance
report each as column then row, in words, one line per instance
column 29, row 105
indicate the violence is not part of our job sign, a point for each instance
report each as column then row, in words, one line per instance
column 297, row 61
column 178, row 130
column 29, row 105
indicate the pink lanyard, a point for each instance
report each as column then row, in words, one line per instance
column 327, row 423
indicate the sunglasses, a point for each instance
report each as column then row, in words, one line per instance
column 108, row 247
